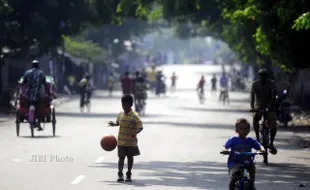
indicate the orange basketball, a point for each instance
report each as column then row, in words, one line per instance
column 108, row 142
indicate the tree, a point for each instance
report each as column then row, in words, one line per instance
column 83, row 49
column 259, row 31
column 303, row 22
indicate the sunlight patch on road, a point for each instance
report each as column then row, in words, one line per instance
column 16, row 160
column 99, row 160
column 78, row 179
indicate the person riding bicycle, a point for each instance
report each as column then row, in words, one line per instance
column 223, row 86
column 241, row 143
column 35, row 82
column 213, row 84
column 85, row 89
column 140, row 88
column 173, row 82
column 201, row 85
column 160, row 82
column 263, row 96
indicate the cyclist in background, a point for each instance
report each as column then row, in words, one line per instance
column 263, row 96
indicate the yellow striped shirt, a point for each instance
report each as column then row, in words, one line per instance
column 128, row 125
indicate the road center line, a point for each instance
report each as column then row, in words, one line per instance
column 99, row 160
column 78, row 179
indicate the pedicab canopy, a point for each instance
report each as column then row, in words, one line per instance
column 49, row 79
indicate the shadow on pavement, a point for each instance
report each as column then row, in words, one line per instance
column 192, row 125
column 202, row 175
column 98, row 115
column 211, row 175
column 119, row 97
column 217, row 110
column 40, row 137
column 244, row 100
column 290, row 143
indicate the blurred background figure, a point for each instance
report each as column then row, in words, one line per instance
column 173, row 82
column 213, row 85
column 127, row 83
column 152, row 79
column 111, row 84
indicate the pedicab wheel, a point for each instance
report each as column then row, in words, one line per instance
column 88, row 106
column 17, row 123
column 32, row 129
column 54, row 121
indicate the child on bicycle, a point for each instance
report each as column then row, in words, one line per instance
column 241, row 143
column 127, row 143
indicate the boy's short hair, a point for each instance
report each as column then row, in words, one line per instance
column 128, row 99
column 242, row 120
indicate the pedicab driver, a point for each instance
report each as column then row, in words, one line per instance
column 34, row 79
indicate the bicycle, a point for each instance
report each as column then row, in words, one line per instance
column 201, row 96
column 243, row 182
column 265, row 133
column 224, row 95
column 140, row 106
column 87, row 96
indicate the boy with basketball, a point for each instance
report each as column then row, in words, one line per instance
column 241, row 143
column 130, row 125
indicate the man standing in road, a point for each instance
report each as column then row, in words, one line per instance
column 263, row 96
column 127, row 84
column 173, row 82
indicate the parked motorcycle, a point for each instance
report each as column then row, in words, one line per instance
column 283, row 109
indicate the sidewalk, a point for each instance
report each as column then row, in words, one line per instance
column 300, row 126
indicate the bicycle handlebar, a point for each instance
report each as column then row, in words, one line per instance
column 242, row 153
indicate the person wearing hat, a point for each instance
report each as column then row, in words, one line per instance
column 34, row 79
column 263, row 96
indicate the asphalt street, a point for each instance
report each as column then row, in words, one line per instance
column 179, row 145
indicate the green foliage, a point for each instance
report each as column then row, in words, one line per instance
column 303, row 22
column 83, row 49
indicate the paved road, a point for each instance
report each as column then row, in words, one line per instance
column 180, row 148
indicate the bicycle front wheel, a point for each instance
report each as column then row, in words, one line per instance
column 246, row 185
column 265, row 144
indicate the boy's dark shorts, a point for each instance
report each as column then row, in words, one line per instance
column 123, row 151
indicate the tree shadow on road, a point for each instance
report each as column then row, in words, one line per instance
column 98, row 115
column 40, row 137
column 202, row 175
column 217, row 110
column 119, row 97
column 244, row 100
column 191, row 125
column 212, row 175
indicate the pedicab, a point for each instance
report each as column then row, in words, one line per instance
column 44, row 114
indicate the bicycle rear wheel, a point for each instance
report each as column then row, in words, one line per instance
column 88, row 106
